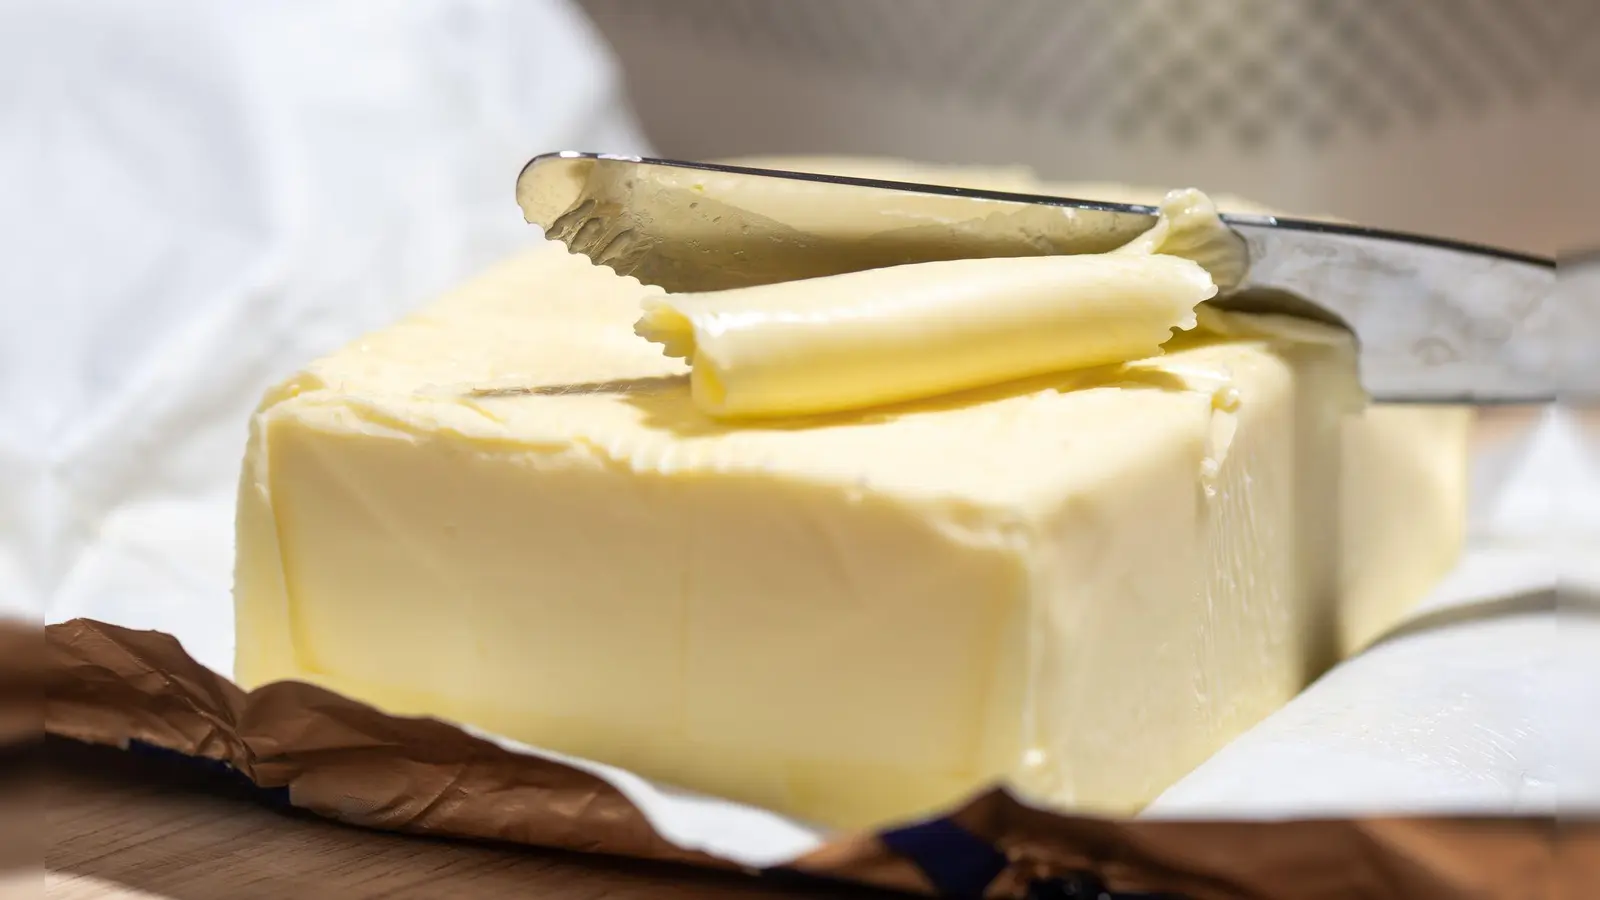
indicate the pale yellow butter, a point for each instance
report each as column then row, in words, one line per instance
column 1404, row 509
column 507, row 510
column 887, row 335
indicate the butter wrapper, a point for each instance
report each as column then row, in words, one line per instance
column 318, row 751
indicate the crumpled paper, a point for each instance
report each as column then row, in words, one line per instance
column 317, row 751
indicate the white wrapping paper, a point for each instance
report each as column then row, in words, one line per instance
column 217, row 193
column 213, row 194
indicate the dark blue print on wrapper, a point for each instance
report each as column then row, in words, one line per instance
column 277, row 797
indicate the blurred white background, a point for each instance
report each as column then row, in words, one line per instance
column 1475, row 119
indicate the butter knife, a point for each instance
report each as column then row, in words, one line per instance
column 1436, row 320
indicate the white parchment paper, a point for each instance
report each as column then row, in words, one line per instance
column 200, row 197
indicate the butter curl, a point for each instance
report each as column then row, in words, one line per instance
column 881, row 336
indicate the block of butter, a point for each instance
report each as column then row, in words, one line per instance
column 508, row 510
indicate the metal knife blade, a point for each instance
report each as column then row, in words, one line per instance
column 1436, row 320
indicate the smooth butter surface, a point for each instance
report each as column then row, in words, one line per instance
column 507, row 510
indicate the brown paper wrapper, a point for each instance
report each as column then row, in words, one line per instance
column 336, row 757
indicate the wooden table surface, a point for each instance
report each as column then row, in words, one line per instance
column 123, row 826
